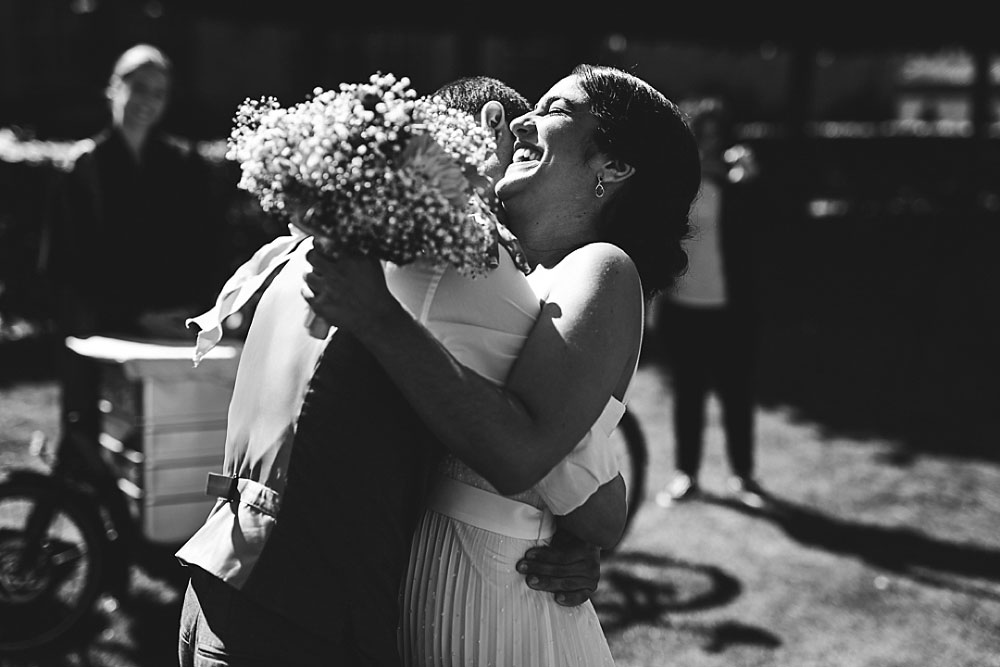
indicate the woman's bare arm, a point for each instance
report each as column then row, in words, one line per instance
column 571, row 362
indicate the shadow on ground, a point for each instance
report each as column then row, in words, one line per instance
column 963, row 567
column 637, row 588
column 640, row 588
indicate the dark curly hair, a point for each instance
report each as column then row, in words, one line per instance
column 649, row 216
column 471, row 93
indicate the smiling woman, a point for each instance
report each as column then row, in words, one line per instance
column 604, row 172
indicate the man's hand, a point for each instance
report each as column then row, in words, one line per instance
column 568, row 567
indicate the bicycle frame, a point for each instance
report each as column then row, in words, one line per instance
column 79, row 476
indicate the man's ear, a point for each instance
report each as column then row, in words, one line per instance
column 616, row 171
column 493, row 117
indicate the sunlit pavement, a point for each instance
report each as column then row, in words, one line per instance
column 690, row 583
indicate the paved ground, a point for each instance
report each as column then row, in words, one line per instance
column 693, row 585
column 140, row 631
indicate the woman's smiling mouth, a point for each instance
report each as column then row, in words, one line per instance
column 524, row 153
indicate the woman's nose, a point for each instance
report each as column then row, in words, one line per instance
column 520, row 125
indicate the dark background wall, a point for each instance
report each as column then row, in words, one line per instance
column 55, row 54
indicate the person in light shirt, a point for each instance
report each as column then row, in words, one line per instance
column 706, row 321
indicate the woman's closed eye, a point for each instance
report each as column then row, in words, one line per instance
column 555, row 106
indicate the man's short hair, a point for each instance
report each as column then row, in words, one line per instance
column 471, row 93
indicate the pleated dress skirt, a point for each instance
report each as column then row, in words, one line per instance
column 465, row 604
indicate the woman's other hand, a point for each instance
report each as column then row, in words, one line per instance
column 568, row 567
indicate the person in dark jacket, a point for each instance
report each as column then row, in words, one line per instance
column 138, row 249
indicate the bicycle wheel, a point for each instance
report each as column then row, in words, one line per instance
column 630, row 444
column 47, row 584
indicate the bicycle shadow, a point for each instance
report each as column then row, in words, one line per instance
column 901, row 550
column 640, row 588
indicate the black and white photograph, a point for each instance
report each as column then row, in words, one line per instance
column 498, row 335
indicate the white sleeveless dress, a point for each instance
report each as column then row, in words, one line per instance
column 464, row 604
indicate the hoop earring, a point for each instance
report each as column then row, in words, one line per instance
column 599, row 188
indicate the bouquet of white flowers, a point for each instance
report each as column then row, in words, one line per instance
column 372, row 169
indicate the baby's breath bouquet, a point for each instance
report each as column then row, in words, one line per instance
column 372, row 169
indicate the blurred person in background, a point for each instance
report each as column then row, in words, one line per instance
column 706, row 321
column 138, row 247
column 137, row 240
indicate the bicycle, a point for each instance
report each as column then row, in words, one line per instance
column 69, row 534
column 629, row 441
column 62, row 537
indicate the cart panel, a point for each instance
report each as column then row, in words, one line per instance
column 163, row 428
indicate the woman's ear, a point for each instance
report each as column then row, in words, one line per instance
column 493, row 117
column 615, row 171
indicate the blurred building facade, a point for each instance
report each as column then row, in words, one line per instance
column 55, row 56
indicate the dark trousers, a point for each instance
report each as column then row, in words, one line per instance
column 221, row 627
column 710, row 350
